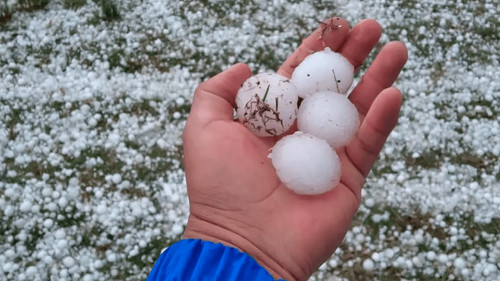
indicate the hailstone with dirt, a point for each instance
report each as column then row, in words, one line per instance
column 266, row 104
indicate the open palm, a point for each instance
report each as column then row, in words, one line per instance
column 235, row 195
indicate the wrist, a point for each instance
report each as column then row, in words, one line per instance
column 198, row 228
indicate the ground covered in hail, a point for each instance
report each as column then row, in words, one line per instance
column 94, row 96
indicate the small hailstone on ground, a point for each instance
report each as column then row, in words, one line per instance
column 306, row 164
column 68, row 262
column 266, row 104
column 443, row 258
column 25, row 206
column 459, row 263
column 368, row 265
column 323, row 71
column 177, row 229
column 31, row 271
column 330, row 116
column 176, row 115
column 117, row 178
column 370, row 202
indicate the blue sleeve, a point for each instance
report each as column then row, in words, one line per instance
column 197, row 260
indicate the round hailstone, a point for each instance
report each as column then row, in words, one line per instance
column 323, row 71
column 329, row 116
column 267, row 104
column 368, row 265
column 306, row 164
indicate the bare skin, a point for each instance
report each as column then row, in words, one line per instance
column 235, row 195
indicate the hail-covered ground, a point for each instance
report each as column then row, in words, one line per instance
column 92, row 108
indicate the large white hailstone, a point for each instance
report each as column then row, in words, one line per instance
column 330, row 116
column 306, row 164
column 266, row 104
column 323, row 71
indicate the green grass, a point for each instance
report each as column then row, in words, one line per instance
column 109, row 9
column 74, row 4
column 5, row 12
column 32, row 5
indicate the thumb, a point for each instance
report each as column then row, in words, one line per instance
column 214, row 98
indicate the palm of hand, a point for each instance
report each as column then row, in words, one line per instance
column 260, row 207
column 236, row 197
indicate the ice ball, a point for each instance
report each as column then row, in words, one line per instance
column 306, row 164
column 323, row 71
column 330, row 116
column 266, row 104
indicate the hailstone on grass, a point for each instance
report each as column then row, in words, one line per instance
column 306, row 164
column 266, row 104
column 330, row 116
column 323, row 71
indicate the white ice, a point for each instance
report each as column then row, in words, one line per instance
column 306, row 164
column 330, row 116
column 323, row 71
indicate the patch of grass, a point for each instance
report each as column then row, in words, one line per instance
column 110, row 10
column 268, row 57
column 477, row 232
column 432, row 159
column 74, row 4
column 115, row 59
column 488, row 33
column 6, row 227
column 322, row 5
column 479, row 109
column 109, row 164
column 32, row 5
column 395, row 220
column 381, row 168
column 162, row 161
column 73, row 217
column 428, row 160
column 143, row 108
column 15, row 118
column 484, row 162
column 219, row 9
column 95, row 19
column 43, row 54
column 35, row 234
column 118, row 59
column 183, row 110
column 15, row 70
column 89, row 234
column 5, row 12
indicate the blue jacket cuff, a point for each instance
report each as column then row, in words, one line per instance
column 193, row 259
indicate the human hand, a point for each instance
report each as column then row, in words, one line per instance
column 235, row 195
